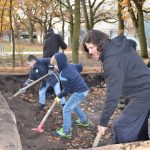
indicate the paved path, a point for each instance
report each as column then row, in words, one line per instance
column 29, row 53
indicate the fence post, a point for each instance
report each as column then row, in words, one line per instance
column 1, row 48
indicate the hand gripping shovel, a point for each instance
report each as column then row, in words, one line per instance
column 96, row 141
column 25, row 88
column 40, row 128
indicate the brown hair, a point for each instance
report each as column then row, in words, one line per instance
column 95, row 37
column 31, row 57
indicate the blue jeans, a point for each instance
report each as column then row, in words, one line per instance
column 43, row 89
column 73, row 103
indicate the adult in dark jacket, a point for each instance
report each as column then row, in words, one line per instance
column 52, row 43
column 38, row 68
column 125, row 74
column 74, row 85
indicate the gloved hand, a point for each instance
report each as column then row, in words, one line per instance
column 50, row 69
column 57, row 99
column 50, row 72
column 23, row 90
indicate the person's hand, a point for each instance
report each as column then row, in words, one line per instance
column 57, row 99
column 50, row 69
column 23, row 90
column 50, row 72
column 102, row 130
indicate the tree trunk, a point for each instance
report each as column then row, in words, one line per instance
column 141, row 34
column 71, row 21
column 139, row 26
column 63, row 22
column 12, row 32
column 2, row 15
column 31, row 28
column 85, row 15
column 76, row 33
column 120, row 20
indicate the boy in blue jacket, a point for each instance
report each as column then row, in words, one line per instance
column 74, row 84
column 38, row 68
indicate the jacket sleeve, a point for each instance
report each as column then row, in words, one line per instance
column 27, row 82
column 114, row 82
column 79, row 67
column 45, row 61
column 63, row 45
column 66, row 87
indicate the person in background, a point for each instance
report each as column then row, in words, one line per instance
column 52, row 43
column 38, row 68
column 125, row 74
column 73, row 84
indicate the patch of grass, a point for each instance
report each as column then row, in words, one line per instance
column 22, row 47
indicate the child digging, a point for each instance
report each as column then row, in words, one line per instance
column 74, row 84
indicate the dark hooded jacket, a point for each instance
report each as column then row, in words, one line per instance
column 71, row 80
column 52, row 44
column 41, row 68
column 125, row 74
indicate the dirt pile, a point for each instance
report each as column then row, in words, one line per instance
column 28, row 117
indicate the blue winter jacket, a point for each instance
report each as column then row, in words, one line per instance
column 41, row 68
column 70, row 77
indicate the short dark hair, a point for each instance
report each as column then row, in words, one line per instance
column 31, row 57
column 95, row 37
column 50, row 30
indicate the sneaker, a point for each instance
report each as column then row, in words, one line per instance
column 41, row 106
column 79, row 123
column 61, row 133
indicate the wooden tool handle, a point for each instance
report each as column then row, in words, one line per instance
column 48, row 113
column 19, row 92
column 96, row 141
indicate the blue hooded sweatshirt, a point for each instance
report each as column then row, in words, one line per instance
column 70, row 77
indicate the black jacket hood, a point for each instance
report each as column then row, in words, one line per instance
column 116, row 46
column 49, row 34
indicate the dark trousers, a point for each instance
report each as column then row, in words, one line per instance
column 131, row 128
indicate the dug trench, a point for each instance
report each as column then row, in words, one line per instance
column 28, row 116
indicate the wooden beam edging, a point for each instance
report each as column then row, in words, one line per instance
column 141, row 145
column 9, row 135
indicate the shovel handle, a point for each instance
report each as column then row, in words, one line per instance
column 19, row 92
column 96, row 141
column 48, row 113
column 36, row 81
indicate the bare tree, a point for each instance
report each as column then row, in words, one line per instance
column 120, row 18
column 1, row 18
column 76, row 32
column 12, row 32
column 93, row 12
column 138, row 22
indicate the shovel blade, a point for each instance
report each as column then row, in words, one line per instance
column 39, row 130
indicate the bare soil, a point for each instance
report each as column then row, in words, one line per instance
column 28, row 117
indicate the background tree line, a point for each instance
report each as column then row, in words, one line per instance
column 39, row 15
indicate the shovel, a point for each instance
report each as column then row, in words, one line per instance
column 25, row 88
column 40, row 128
column 96, row 141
